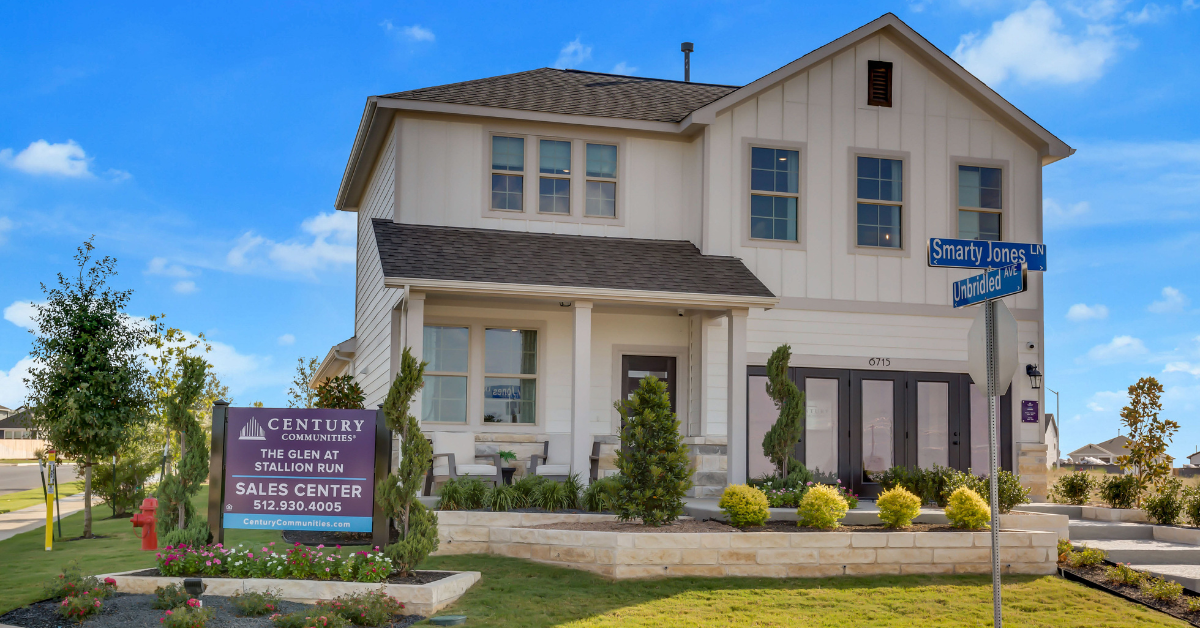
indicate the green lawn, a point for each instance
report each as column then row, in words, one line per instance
column 35, row 496
column 521, row 594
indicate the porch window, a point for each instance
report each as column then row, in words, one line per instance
column 510, row 376
column 508, row 157
column 444, row 399
column 774, row 193
column 601, row 182
column 880, row 192
column 554, row 186
column 980, row 203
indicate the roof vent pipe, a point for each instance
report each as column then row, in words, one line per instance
column 687, row 49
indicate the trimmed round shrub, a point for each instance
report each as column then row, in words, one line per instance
column 744, row 505
column 1166, row 505
column 1074, row 488
column 966, row 509
column 898, row 507
column 821, row 507
column 1119, row 491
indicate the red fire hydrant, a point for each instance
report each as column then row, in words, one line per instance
column 147, row 523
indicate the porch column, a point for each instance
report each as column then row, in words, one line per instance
column 414, row 338
column 581, row 391
column 736, row 400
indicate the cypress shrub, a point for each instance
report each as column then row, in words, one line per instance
column 652, row 459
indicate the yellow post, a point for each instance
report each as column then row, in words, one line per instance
column 50, row 500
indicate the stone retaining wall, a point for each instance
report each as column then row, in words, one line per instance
column 1102, row 513
column 777, row 554
column 467, row 532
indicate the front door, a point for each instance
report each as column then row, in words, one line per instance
column 636, row 367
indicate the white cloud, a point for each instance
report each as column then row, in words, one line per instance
column 1119, row 349
column 414, row 33
column 624, row 68
column 1173, row 301
column 1030, row 45
column 160, row 266
column 1107, row 401
column 573, row 54
column 1151, row 13
column 186, row 286
column 1096, row 10
column 245, row 245
column 1083, row 312
column 287, row 339
column 332, row 243
column 1182, row 367
column 12, row 385
column 20, row 313
column 1052, row 209
column 6, row 225
column 42, row 157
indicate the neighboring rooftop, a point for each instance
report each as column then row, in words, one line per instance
column 542, row 259
column 577, row 92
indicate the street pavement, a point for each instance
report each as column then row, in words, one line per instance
column 22, row 477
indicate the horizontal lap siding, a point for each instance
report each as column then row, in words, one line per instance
column 373, row 304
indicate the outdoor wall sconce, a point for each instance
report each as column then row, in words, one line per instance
column 1035, row 376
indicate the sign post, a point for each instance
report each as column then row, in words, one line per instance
column 51, row 485
column 992, row 341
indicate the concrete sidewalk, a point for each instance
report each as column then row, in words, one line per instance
column 25, row 519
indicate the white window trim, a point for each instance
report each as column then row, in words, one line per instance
column 466, row 374
column 572, row 177
column 905, row 157
column 524, row 172
column 578, row 138
column 1006, row 194
column 476, row 375
column 615, row 180
column 799, row 244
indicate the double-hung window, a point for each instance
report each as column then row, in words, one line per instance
column 979, row 203
column 601, row 181
column 510, row 376
column 774, row 194
column 508, row 166
column 447, row 349
column 880, row 192
column 554, row 184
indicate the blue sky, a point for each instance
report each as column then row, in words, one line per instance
column 203, row 148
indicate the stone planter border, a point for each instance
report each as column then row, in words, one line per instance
column 1103, row 513
column 418, row 599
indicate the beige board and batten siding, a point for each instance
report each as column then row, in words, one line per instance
column 440, row 182
column 373, row 303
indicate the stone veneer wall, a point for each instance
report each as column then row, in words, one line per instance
column 707, row 455
column 1033, row 466
column 468, row 532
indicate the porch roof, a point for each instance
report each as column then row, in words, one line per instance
column 583, row 266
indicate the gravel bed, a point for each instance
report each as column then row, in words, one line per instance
column 712, row 525
column 133, row 611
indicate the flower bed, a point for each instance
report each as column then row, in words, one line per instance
column 1094, row 576
column 297, row 562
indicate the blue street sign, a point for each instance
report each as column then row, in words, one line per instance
column 949, row 253
column 993, row 284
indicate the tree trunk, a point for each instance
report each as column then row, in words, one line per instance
column 182, row 453
column 87, row 498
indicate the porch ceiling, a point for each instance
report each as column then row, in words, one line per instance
column 510, row 263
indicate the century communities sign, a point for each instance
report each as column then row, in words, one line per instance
column 296, row 469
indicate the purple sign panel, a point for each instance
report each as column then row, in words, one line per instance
column 1029, row 411
column 299, row 469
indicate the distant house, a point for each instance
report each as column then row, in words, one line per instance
column 1052, row 438
column 4, row 412
column 1106, row 452
column 1194, row 458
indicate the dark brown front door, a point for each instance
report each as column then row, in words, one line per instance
column 636, row 367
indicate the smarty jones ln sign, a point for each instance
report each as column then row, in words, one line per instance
column 299, row 469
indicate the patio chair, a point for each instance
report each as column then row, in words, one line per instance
column 454, row 457
column 554, row 463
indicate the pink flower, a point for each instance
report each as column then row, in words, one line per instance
column 193, row 602
column 169, row 613
column 208, row 563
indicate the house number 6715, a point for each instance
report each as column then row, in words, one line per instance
column 880, row 362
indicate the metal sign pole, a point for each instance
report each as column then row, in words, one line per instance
column 993, row 457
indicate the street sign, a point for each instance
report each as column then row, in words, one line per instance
column 993, row 284
column 1006, row 349
column 951, row 253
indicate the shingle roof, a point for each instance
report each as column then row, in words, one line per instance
column 577, row 92
column 540, row 259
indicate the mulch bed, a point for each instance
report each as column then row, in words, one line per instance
column 711, row 525
column 330, row 539
column 124, row 610
column 1094, row 577
column 416, row 577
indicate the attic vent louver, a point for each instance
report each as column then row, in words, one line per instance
column 879, row 83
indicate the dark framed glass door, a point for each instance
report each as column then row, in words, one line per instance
column 932, row 431
column 877, row 435
column 636, row 367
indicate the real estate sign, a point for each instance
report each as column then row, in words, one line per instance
column 299, row 469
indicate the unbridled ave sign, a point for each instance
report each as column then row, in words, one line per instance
column 993, row 284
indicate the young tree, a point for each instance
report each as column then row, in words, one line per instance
column 88, row 391
column 175, row 490
column 300, row 395
column 653, row 458
column 780, row 441
column 1149, row 436
column 340, row 392
column 397, row 493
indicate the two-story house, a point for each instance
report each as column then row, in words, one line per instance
column 545, row 239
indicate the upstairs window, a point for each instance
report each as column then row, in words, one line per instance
column 774, row 194
column 508, row 156
column 980, row 203
column 880, row 202
column 601, row 181
column 879, row 83
column 554, row 185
